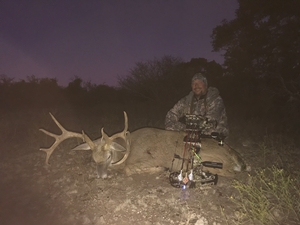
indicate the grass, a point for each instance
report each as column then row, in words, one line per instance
column 270, row 196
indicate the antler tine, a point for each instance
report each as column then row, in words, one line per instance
column 60, row 137
column 127, row 140
column 105, row 136
column 88, row 141
column 123, row 133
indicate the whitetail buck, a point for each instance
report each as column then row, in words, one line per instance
column 145, row 150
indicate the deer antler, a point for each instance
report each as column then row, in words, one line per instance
column 63, row 136
column 124, row 135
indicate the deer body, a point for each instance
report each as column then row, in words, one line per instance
column 147, row 150
column 153, row 149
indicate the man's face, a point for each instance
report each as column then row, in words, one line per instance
column 199, row 88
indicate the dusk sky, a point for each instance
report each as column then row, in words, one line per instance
column 101, row 40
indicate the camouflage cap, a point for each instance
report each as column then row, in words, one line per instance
column 200, row 76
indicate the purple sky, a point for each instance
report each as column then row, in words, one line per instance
column 101, row 40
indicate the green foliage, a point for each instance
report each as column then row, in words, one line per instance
column 263, row 41
column 262, row 60
column 270, row 196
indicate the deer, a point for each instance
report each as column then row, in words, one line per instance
column 146, row 150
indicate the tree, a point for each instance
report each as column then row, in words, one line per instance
column 76, row 93
column 149, row 80
column 262, row 55
column 263, row 42
column 164, row 81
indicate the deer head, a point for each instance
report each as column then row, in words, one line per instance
column 103, row 150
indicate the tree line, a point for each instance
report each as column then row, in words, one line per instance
column 155, row 81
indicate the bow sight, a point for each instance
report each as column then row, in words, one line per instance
column 194, row 172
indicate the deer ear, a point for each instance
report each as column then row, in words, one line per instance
column 117, row 147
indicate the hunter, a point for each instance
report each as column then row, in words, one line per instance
column 202, row 101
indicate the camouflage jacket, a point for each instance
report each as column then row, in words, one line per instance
column 210, row 107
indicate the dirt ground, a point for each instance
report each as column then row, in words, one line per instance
column 68, row 191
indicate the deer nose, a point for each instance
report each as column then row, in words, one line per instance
column 102, row 170
column 102, row 175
